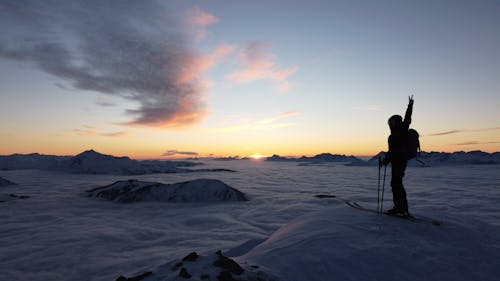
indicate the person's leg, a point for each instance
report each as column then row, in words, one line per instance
column 398, row 190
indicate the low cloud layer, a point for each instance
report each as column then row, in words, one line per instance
column 132, row 49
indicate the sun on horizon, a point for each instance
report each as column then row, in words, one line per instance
column 257, row 157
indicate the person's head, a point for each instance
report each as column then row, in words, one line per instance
column 395, row 121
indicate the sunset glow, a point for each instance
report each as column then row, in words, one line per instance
column 257, row 156
column 211, row 79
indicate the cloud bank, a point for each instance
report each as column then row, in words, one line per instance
column 132, row 49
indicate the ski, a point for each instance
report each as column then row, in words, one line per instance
column 410, row 217
column 356, row 205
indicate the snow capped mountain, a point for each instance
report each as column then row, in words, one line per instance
column 200, row 190
column 320, row 158
column 31, row 161
column 476, row 157
column 92, row 162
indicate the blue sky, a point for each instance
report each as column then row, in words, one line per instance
column 249, row 77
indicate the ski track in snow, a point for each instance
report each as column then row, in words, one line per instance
column 61, row 234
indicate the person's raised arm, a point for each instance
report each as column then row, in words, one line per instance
column 409, row 111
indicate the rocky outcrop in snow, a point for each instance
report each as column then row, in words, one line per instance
column 200, row 190
column 215, row 266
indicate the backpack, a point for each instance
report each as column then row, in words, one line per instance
column 412, row 144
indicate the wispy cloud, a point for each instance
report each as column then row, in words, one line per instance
column 132, row 49
column 198, row 19
column 266, row 123
column 283, row 115
column 464, row 131
column 477, row 142
column 104, row 102
column 369, row 107
column 446, row 133
column 91, row 131
column 257, row 63
column 175, row 152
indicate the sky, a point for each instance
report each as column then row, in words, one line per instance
column 174, row 79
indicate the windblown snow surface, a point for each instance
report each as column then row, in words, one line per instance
column 283, row 231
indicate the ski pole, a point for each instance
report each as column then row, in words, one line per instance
column 378, row 185
column 383, row 189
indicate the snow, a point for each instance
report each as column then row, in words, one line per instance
column 349, row 244
column 199, row 190
column 59, row 233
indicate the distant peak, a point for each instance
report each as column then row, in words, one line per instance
column 90, row 152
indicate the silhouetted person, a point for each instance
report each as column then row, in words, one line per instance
column 398, row 157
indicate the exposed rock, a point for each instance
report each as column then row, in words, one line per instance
column 191, row 257
column 184, row 274
column 214, row 266
column 225, row 275
column 227, row 264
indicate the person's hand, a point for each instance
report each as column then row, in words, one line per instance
column 410, row 100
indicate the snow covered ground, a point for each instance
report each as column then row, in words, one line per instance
column 59, row 233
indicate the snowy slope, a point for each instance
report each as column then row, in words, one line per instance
column 342, row 243
column 200, row 190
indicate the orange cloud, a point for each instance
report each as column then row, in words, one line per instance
column 258, row 64
column 198, row 19
column 91, row 131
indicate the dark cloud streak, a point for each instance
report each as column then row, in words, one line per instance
column 132, row 49
column 176, row 152
column 464, row 131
